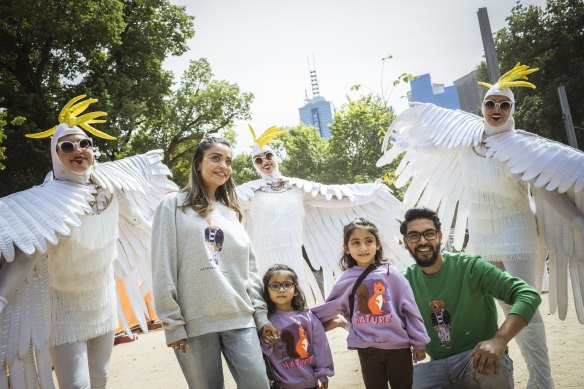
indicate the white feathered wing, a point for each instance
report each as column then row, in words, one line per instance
column 31, row 219
column 434, row 140
column 328, row 208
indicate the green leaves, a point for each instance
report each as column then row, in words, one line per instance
column 550, row 39
column 200, row 105
column 112, row 50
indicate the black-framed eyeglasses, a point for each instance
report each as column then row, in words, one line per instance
column 414, row 237
column 287, row 285
column 68, row 147
column 503, row 105
column 267, row 156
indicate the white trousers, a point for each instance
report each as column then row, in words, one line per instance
column 531, row 340
column 84, row 364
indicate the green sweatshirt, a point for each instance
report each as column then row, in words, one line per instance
column 458, row 303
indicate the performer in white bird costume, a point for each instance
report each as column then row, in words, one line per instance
column 283, row 214
column 497, row 176
column 61, row 244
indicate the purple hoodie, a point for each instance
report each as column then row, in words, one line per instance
column 302, row 357
column 385, row 315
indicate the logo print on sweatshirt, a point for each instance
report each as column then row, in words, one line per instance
column 296, row 348
column 214, row 238
column 441, row 322
column 371, row 305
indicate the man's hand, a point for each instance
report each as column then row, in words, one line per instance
column 270, row 334
column 323, row 385
column 338, row 321
column 180, row 345
column 418, row 355
column 486, row 356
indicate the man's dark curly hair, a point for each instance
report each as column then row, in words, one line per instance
column 419, row 213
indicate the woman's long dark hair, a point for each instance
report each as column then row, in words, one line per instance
column 298, row 301
column 197, row 196
column 347, row 260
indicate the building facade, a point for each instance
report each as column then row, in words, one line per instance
column 469, row 93
column 318, row 112
column 424, row 91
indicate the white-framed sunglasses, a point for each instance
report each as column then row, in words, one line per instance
column 267, row 157
column 68, row 147
column 503, row 105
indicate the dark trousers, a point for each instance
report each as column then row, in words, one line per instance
column 380, row 366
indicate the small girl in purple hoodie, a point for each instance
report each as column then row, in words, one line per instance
column 379, row 310
column 299, row 353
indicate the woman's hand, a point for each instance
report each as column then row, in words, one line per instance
column 179, row 345
column 270, row 334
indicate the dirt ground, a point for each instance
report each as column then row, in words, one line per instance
column 148, row 364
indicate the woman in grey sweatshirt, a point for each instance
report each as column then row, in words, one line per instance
column 207, row 291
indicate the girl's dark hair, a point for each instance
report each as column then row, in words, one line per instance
column 419, row 213
column 197, row 196
column 347, row 260
column 298, row 301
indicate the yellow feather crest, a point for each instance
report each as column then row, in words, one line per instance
column 268, row 136
column 515, row 77
column 70, row 115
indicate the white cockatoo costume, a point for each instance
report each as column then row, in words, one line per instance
column 62, row 242
column 519, row 195
column 283, row 214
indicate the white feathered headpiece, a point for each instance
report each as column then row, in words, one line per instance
column 69, row 119
column 516, row 77
column 260, row 144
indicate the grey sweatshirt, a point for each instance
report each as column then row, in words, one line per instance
column 204, row 271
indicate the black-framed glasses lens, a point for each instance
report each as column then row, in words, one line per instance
column 275, row 286
column 414, row 237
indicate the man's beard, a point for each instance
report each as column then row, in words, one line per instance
column 426, row 262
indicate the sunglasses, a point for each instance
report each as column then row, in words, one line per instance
column 287, row 285
column 259, row 160
column 414, row 237
column 68, row 147
column 503, row 105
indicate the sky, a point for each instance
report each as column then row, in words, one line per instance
column 265, row 47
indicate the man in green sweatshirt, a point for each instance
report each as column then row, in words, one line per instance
column 456, row 293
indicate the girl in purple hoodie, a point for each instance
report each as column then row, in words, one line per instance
column 379, row 310
column 299, row 353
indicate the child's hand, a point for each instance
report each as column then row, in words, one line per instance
column 338, row 321
column 270, row 334
column 323, row 385
column 418, row 355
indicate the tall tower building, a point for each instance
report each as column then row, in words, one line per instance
column 317, row 111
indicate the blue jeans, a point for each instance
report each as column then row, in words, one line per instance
column 457, row 372
column 201, row 364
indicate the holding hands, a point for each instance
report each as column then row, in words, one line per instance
column 270, row 334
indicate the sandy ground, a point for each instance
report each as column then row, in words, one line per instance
column 148, row 364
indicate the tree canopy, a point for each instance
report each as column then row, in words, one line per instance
column 200, row 105
column 51, row 51
column 357, row 132
column 551, row 39
column 307, row 154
